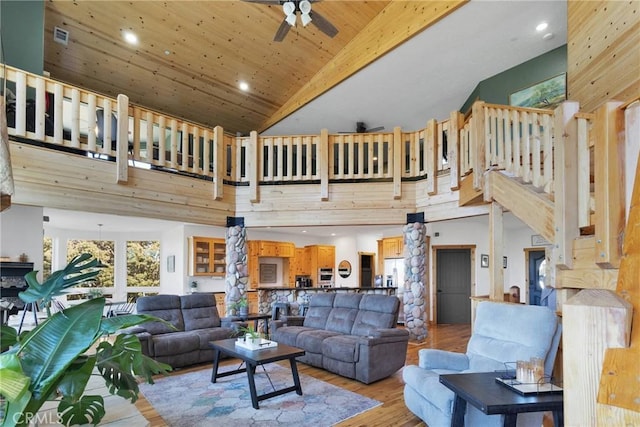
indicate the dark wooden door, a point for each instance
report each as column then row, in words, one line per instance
column 536, row 258
column 453, row 285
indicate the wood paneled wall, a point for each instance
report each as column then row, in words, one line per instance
column 603, row 54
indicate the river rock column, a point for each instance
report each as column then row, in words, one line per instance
column 237, row 277
column 414, row 279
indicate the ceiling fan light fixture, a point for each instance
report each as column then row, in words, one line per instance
column 289, row 8
column 305, row 18
column 305, row 7
column 291, row 19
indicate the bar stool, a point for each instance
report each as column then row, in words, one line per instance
column 279, row 309
column 302, row 309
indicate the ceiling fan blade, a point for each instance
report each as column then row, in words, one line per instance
column 282, row 31
column 378, row 129
column 263, row 1
column 323, row 24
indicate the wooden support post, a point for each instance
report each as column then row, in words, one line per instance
column 397, row 162
column 592, row 321
column 323, row 158
column 219, row 164
column 122, row 139
column 609, row 184
column 431, row 161
column 456, row 122
column 40, row 109
column 496, row 253
column 253, row 164
column 566, row 183
column 478, row 142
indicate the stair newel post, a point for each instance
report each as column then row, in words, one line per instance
column 237, row 277
column 478, row 141
column 415, row 298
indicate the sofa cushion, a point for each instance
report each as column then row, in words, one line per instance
column 211, row 334
column 341, row 347
column 312, row 340
column 173, row 343
column 319, row 307
column 345, row 309
column 427, row 383
column 288, row 335
column 165, row 307
column 376, row 312
column 199, row 311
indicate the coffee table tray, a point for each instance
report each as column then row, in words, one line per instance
column 255, row 344
column 529, row 388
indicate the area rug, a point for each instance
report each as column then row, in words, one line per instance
column 192, row 400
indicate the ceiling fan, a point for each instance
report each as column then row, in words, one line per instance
column 293, row 8
column 361, row 127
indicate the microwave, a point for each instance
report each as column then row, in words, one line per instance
column 325, row 277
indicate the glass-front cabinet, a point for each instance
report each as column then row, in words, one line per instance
column 207, row 256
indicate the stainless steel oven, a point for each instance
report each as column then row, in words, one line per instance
column 325, row 277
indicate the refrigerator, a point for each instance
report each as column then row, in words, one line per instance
column 394, row 277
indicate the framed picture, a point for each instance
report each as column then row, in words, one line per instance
column 546, row 94
column 538, row 240
column 268, row 273
column 484, row 261
column 504, row 262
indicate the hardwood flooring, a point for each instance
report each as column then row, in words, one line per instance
column 389, row 391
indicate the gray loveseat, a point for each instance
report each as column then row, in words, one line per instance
column 196, row 320
column 352, row 335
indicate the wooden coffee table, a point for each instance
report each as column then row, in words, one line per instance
column 252, row 359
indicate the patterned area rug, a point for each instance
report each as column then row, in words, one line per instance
column 192, row 400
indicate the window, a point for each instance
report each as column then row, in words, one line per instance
column 104, row 251
column 143, row 263
column 47, row 256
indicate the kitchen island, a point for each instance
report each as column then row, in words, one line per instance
column 268, row 295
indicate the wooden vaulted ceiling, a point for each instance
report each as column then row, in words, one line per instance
column 213, row 45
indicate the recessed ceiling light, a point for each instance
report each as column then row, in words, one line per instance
column 304, row 231
column 167, row 52
column 547, row 36
column 130, row 37
column 542, row 26
column 333, row 234
column 243, row 86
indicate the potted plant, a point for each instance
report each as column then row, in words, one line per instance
column 248, row 333
column 54, row 360
column 241, row 306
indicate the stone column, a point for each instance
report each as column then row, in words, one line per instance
column 237, row 277
column 414, row 277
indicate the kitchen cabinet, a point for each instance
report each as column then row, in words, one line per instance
column 320, row 256
column 299, row 264
column 207, row 256
column 268, row 248
column 393, row 247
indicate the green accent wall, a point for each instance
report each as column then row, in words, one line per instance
column 496, row 89
column 22, row 34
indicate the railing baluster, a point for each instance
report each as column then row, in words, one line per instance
column 174, row 144
column 536, row 146
column 206, row 151
column 526, row 148
column 91, row 130
column 40, row 109
column 162, row 145
column 149, row 146
column 195, row 167
column 547, row 143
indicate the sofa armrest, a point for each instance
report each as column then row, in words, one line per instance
column 439, row 359
column 143, row 336
column 233, row 322
column 293, row 320
column 381, row 336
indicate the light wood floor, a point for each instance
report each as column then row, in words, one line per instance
column 393, row 411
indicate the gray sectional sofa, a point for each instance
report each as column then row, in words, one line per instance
column 352, row 335
column 196, row 321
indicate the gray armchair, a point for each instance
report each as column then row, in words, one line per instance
column 502, row 333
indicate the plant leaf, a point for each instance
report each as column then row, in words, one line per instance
column 73, row 274
column 87, row 410
column 111, row 325
column 8, row 337
column 76, row 377
column 14, row 383
column 50, row 348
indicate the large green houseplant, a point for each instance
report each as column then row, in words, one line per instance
column 55, row 360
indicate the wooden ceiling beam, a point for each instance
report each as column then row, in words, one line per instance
column 396, row 23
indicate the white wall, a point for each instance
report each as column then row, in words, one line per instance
column 21, row 232
column 173, row 244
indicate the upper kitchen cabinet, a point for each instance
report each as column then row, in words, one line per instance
column 207, row 256
column 268, row 248
column 393, row 247
column 321, row 256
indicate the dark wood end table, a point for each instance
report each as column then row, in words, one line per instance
column 252, row 359
column 482, row 391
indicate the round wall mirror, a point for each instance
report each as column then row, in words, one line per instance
column 344, row 269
